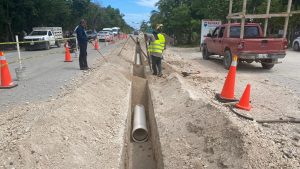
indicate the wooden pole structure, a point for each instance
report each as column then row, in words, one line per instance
column 287, row 18
column 229, row 20
column 242, row 15
column 243, row 19
column 267, row 19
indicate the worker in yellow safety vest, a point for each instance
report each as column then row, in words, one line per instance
column 156, row 48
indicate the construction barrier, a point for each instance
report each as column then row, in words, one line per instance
column 68, row 57
column 227, row 94
column 245, row 100
column 6, row 80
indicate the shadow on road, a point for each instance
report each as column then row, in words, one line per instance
column 242, row 67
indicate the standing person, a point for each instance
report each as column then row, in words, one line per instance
column 82, row 42
column 156, row 48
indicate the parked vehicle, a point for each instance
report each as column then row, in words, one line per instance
column 107, row 29
column 104, row 35
column 116, row 31
column 253, row 47
column 44, row 38
column 296, row 44
column 91, row 34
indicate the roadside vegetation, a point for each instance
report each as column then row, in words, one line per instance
column 21, row 15
column 182, row 18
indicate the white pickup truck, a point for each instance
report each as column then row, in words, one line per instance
column 44, row 38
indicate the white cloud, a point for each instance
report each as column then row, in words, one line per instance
column 135, row 19
column 147, row 3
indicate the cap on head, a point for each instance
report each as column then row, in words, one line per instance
column 82, row 21
column 158, row 26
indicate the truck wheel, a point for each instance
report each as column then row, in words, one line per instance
column 267, row 64
column 47, row 46
column 57, row 43
column 296, row 46
column 205, row 53
column 227, row 59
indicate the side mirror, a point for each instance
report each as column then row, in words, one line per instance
column 208, row 35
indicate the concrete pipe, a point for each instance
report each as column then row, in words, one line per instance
column 138, row 59
column 139, row 129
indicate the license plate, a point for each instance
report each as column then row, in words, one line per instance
column 31, row 43
column 263, row 55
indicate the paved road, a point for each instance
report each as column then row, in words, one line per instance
column 286, row 73
column 46, row 72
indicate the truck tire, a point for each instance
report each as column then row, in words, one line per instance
column 57, row 43
column 205, row 53
column 296, row 46
column 227, row 59
column 267, row 64
column 47, row 46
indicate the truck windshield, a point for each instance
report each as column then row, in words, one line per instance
column 250, row 32
column 38, row 33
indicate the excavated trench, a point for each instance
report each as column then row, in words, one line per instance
column 144, row 154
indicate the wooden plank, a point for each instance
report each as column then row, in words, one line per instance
column 260, row 16
column 295, row 12
column 267, row 19
column 243, row 19
column 229, row 21
column 286, row 23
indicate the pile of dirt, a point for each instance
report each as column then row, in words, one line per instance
column 82, row 128
column 196, row 131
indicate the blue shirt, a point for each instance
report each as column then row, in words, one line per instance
column 81, row 35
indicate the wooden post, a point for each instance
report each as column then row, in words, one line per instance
column 243, row 19
column 287, row 18
column 267, row 19
column 229, row 20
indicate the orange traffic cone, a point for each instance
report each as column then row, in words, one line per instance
column 68, row 57
column 96, row 44
column 245, row 100
column 6, row 81
column 227, row 94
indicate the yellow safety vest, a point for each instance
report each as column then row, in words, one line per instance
column 157, row 47
column 161, row 37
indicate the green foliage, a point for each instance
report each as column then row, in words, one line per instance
column 19, row 15
column 182, row 18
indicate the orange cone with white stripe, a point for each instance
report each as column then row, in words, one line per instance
column 227, row 94
column 6, row 81
column 245, row 100
column 68, row 57
column 96, row 44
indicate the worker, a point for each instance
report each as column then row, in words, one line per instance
column 82, row 42
column 156, row 48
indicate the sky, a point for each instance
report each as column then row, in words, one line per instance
column 135, row 11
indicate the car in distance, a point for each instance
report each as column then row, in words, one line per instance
column 91, row 34
column 104, row 36
column 296, row 44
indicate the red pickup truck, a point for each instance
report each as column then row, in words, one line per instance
column 253, row 47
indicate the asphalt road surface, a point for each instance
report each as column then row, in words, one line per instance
column 287, row 73
column 46, row 72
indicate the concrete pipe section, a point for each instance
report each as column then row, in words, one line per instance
column 139, row 130
column 138, row 59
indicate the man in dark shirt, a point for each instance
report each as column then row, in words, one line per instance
column 82, row 42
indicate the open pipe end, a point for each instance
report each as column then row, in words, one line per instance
column 140, row 135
